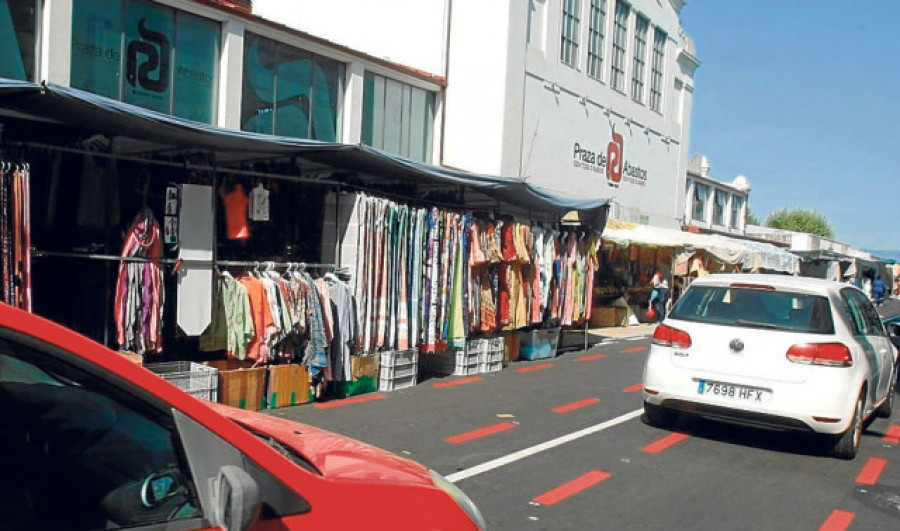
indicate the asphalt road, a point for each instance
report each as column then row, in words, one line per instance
column 559, row 444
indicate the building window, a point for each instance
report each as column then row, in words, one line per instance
column 640, row 53
column 656, row 69
column 701, row 193
column 719, row 208
column 290, row 92
column 620, row 37
column 737, row 204
column 596, row 33
column 571, row 28
column 18, row 45
column 146, row 54
column 397, row 117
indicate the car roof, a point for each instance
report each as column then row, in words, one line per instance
column 780, row 282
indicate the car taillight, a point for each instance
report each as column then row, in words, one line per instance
column 828, row 354
column 667, row 336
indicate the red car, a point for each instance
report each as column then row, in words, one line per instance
column 90, row 440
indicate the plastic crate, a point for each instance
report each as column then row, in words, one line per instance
column 492, row 366
column 398, row 369
column 539, row 344
column 397, row 382
column 453, row 361
column 199, row 380
column 488, row 349
column 398, row 364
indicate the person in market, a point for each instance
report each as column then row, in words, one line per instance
column 879, row 288
column 658, row 295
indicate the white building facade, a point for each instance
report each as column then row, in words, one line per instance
column 584, row 98
column 714, row 206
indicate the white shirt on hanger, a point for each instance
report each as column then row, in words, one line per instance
column 259, row 203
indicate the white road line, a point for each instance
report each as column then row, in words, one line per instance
column 528, row 452
column 635, row 338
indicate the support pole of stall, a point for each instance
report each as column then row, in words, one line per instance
column 337, row 226
column 215, row 237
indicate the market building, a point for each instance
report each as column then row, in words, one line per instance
column 195, row 178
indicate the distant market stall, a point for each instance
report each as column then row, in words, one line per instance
column 632, row 253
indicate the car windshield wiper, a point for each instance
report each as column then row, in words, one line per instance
column 285, row 451
column 757, row 324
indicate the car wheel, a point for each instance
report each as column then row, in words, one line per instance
column 887, row 407
column 847, row 444
column 658, row 416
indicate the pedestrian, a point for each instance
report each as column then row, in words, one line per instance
column 878, row 290
column 658, row 294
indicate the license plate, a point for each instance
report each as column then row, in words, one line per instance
column 742, row 393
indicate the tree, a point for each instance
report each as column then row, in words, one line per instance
column 751, row 219
column 800, row 220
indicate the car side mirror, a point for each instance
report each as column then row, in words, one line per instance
column 236, row 499
column 894, row 330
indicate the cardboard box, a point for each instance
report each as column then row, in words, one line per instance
column 241, row 387
column 511, row 345
column 288, row 385
column 603, row 316
column 366, row 365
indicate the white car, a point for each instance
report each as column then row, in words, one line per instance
column 782, row 352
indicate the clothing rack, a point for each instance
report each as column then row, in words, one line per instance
column 188, row 261
column 220, row 170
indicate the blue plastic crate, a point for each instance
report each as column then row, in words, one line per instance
column 539, row 344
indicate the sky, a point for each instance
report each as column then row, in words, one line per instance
column 803, row 98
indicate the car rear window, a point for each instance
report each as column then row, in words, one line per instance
column 755, row 308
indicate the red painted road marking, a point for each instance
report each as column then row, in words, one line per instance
column 350, row 401
column 665, row 442
column 633, row 388
column 461, row 381
column 892, row 435
column 632, row 350
column 838, row 521
column 576, row 405
column 573, row 487
column 870, row 472
column 591, row 357
column 481, row 432
column 540, row 367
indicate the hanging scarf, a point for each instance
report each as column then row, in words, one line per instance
column 139, row 288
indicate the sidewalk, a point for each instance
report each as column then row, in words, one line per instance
column 574, row 339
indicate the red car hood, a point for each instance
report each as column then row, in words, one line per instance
column 335, row 456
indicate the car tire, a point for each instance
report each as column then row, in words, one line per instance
column 887, row 407
column 658, row 416
column 846, row 445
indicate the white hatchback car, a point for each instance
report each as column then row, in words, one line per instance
column 782, row 352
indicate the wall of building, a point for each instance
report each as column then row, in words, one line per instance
column 573, row 123
column 407, row 32
column 509, row 107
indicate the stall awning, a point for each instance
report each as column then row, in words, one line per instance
column 749, row 254
column 50, row 113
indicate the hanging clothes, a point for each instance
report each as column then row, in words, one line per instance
column 139, row 289
column 346, row 327
column 232, row 327
column 315, row 354
column 236, row 208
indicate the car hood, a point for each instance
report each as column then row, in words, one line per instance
column 335, row 456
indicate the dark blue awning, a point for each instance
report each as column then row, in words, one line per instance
column 50, row 113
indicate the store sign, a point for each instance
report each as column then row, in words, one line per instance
column 148, row 60
column 610, row 162
column 149, row 55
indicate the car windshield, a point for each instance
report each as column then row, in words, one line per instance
column 755, row 308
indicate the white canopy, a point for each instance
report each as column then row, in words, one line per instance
column 748, row 253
